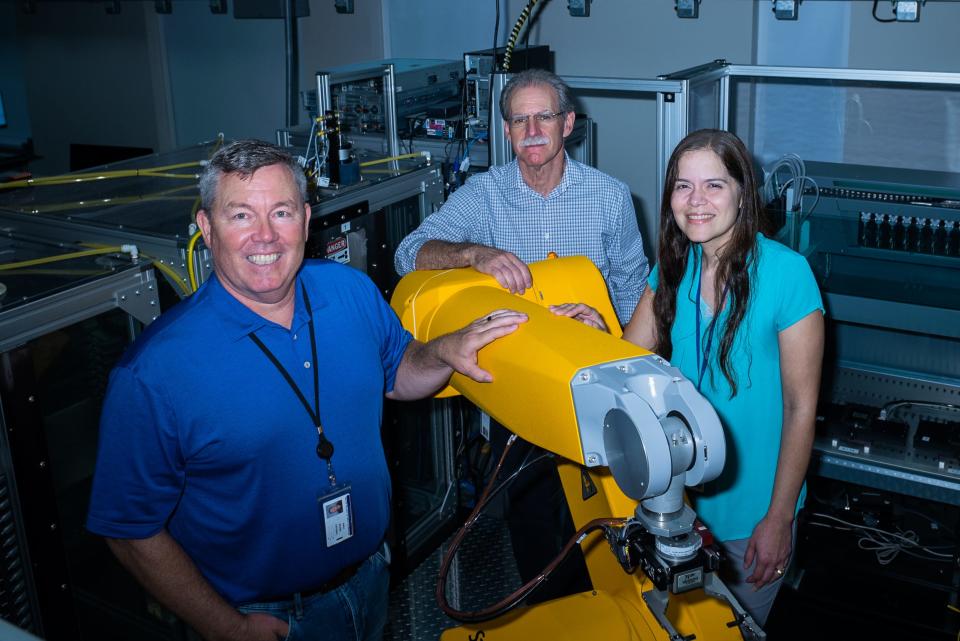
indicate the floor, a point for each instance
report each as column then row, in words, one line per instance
column 486, row 572
column 482, row 572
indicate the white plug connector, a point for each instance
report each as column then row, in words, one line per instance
column 132, row 250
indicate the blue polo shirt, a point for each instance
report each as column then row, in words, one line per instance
column 201, row 435
column 783, row 290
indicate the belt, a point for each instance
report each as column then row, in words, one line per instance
column 330, row 585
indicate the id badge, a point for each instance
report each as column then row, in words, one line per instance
column 336, row 510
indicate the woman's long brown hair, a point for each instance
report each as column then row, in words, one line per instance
column 736, row 257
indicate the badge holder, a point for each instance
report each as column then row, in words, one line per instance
column 336, row 504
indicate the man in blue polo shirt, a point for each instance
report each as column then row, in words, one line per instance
column 241, row 477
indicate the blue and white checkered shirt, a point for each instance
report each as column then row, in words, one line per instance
column 589, row 213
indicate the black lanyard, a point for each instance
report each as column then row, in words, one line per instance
column 702, row 367
column 324, row 446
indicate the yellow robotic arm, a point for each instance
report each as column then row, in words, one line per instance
column 632, row 430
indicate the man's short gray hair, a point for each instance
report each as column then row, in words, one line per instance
column 244, row 157
column 536, row 77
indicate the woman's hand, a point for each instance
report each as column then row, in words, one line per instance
column 581, row 312
column 770, row 546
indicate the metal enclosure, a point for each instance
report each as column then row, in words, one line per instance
column 875, row 209
column 395, row 87
column 149, row 202
column 62, row 326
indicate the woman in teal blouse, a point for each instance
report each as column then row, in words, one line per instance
column 741, row 316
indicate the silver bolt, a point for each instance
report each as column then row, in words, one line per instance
column 43, row 464
column 31, row 398
column 592, row 459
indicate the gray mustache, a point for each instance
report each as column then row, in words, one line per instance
column 535, row 140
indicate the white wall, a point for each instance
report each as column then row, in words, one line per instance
column 932, row 44
column 442, row 28
column 71, row 73
column 87, row 78
column 228, row 75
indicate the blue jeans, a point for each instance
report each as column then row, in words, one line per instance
column 356, row 611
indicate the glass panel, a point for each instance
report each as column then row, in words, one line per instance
column 878, row 162
column 911, row 126
column 31, row 282
column 704, row 105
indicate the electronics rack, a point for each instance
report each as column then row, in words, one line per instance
column 883, row 244
column 477, row 68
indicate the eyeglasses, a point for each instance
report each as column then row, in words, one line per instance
column 544, row 119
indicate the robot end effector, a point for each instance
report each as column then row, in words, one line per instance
column 656, row 433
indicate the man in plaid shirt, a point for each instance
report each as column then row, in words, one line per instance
column 541, row 202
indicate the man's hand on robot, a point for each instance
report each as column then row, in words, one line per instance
column 511, row 272
column 459, row 349
column 581, row 312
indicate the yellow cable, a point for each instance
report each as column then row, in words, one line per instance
column 93, row 202
column 53, row 259
column 52, row 272
column 70, row 179
column 370, row 163
column 166, row 269
column 174, row 276
column 217, row 146
column 191, row 272
column 155, row 174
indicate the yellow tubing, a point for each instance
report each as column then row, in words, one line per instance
column 54, row 259
column 191, row 272
column 69, row 179
column 171, row 274
column 371, row 163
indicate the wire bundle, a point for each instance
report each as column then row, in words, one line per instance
column 773, row 189
column 315, row 163
column 884, row 544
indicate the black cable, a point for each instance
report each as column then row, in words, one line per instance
column 878, row 19
column 291, row 57
column 496, row 34
column 516, row 597
column 517, row 28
